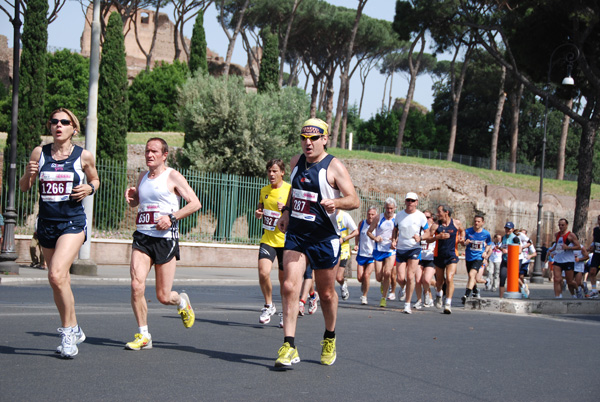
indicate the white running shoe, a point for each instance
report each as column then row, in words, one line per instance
column 401, row 294
column 407, row 309
column 344, row 291
column 363, row 300
column 266, row 313
column 428, row 302
column 438, row 301
column 79, row 337
column 69, row 345
column 447, row 309
column 280, row 320
column 301, row 308
column 418, row 305
column 391, row 296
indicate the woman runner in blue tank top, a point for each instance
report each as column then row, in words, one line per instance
column 61, row 167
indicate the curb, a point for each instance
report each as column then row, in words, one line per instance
column 535, row 306
column 42, row 281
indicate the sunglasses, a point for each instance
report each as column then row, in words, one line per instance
column 64, row 122
column 312, row 138
column 409, row 200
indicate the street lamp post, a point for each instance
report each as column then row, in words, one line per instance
column 9, row 253
column 570, row 57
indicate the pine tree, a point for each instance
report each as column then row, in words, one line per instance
column 268, row 78
column 32, row 76
column 113, row 109
column 113, row 104
column 198, row 47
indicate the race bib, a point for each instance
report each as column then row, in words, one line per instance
column 147, row 216
column 424, row 245
column 476, row 245
column 596, row 247
column 270, row 219
column 56, row 186
column 301, row 201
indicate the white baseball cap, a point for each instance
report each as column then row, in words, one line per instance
column 411, row 196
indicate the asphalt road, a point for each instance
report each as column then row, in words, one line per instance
column 383, row 355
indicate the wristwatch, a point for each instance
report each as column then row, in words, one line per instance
column 173, row 219
column 285, row 208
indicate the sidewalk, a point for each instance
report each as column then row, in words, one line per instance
column 541, row 300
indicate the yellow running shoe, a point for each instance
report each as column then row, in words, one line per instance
column 187, row 314
column 140, row 342
column 286, row 356
column 328, row 354
column 383, row 302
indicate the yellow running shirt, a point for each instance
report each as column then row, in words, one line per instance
column 269, row 197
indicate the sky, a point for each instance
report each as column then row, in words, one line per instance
column 66, row 32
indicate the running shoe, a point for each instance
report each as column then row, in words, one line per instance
column 580, row 293
column 559, row 296
column 494, row 289
column 447, row 309
column 382, row 302
column 79, row 337
column 313, row 303
column 140, row 342
column 328, row 354
column 301, row 308
column 363, row 300
column 477, row 295
column 407, row 309
column 391, row 296
column 344, row 291
column 487, row 284
column 266, row 313
column 438, row 301
column 401, row 294
column 187, row 313
column 68, row 343
column 286, row 356
column 464, row 299
column 593, row 294
column 428, row 302
column 585, row 288
column 418, row 305
column 280, row 320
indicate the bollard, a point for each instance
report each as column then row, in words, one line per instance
column 512, row 277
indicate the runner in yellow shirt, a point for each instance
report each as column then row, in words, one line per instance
column 272, row 198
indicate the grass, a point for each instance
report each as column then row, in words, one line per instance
column 496, row 178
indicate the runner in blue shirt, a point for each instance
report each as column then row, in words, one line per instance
column 478, row 247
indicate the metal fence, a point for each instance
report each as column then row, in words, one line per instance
column 475, row 161
column 228, row 205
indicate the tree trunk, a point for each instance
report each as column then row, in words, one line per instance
column 344, row 80
column 345, row 121
column 390, row 92
column 384, row 91
column 232, row 38
column 329, row 108
column 176, row 42
column 313, row 96
column 456, row 93
column 285, row 40
column 414, row 71
column 515, row 106
column 562, row 145
column 252, row 59
column 584, row 177
column 497, row 120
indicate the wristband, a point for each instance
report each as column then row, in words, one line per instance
column 93, row 188
column 285, row 208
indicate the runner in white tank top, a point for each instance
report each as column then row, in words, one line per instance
column 156, row 241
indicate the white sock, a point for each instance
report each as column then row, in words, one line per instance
column 448, row 302
column 144, row 330
column 440, row 293
column 182, row 303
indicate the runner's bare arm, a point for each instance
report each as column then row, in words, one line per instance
column 338, row 177
column 31, row 171
column 89, row 168
column 131, row 194
column 183, row 189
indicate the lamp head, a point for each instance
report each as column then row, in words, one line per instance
column 568, row 81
